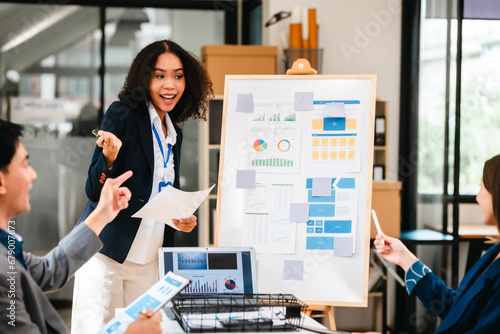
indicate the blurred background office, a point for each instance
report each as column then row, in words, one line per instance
column 62, row 62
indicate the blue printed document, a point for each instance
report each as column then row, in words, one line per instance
column 156, row 297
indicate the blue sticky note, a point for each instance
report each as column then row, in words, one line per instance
column 335, row 109
column 244, row 103
column 245, row 179
column 299, row 212
column 303, row 101
column 343, row 247
column 293, row 270
column 322, row 186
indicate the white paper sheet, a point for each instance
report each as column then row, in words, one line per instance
column 172, row 203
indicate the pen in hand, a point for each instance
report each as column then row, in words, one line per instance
column 94, row 132
column 145, row 313
column 377, row 225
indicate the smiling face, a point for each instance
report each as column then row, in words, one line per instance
column 167, row 83
column 485, row 201
column 15, row 183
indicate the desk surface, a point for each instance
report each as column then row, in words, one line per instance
column 171, row 326
column 471, row 231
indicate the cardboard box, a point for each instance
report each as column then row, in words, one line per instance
column 221, row 60
column 386, row 201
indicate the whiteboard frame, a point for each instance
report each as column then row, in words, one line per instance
column 362, row 244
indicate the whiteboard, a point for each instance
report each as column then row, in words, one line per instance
column 295, row 182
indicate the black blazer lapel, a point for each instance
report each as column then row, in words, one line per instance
column 144, row 128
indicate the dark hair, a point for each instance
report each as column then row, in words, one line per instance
column 198, row 91
column 9, row 140
column 491, row 181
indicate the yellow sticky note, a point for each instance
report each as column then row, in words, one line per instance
column 351, row 155
column 342, row 155
column 324, row 141
column 334, row 142
column 317, row 124
column 342, row 142
column 333, row 155
column 352, row 141
column 315, row 141
column 324, row 155
column 351, row 124
column 315, row 155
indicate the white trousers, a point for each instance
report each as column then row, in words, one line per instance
column 103, row 285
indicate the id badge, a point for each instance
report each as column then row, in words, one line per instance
column 164, row 185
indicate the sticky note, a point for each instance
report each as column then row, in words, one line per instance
column 303, row 101
column 317, row 124
column 335, row 109
column 322, row 186
column 299, row 212
column 245, row 179
column 244, row 103
column 293, row 270
column 343, row 247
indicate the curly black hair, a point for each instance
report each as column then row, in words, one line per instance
column 198, row 91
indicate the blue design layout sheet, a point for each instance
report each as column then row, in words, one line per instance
column 331, row 217
column 334, row 142
column 266, row 218
column 274, row 138
column 157, row 296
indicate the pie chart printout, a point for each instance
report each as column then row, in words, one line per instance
column 230, row 284
column 259, row 145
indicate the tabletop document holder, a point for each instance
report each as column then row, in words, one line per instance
column 238, row 312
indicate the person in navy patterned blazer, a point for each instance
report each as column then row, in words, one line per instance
column 475, row 306
column 165, row 86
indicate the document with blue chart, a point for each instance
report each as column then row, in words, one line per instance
column 331, row 217
column 156, row 297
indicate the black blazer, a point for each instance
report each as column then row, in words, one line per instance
column 133, row 127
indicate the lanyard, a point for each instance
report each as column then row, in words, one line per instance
column 161, row 148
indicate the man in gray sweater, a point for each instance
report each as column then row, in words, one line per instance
column 24, row 277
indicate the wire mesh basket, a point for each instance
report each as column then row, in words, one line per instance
column 238, row 312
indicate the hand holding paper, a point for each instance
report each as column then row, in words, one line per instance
column 173, row 203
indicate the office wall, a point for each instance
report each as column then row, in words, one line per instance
column 358, row 37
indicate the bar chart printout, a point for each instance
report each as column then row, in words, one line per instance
column 202, row 284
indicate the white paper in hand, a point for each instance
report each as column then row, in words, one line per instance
column 172, row 203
